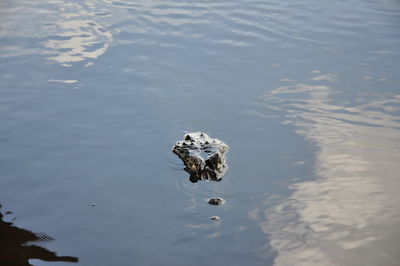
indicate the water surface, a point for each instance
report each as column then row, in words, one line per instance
column 94, row 94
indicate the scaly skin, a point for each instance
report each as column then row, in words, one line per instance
column 204, row 157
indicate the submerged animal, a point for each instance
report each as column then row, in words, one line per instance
column 204, row 157
column 215, row 218
column 216, row 201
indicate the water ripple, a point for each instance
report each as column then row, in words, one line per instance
column 232, row 23
column 68, row 32
column 352, row 205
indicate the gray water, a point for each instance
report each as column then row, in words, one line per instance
column 94, row 94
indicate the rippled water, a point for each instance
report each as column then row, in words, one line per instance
column 94, row 94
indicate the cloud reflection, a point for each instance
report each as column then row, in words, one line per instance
column 77, row 34
column 66, row 32
column 349, row 215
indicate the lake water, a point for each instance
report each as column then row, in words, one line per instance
column 94, row 94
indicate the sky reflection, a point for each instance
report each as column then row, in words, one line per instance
column 65, row 32
column 349, row 214
column 77, row 35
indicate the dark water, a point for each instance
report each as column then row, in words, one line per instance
column 94, row 94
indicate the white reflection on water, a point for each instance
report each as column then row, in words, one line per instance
column 77, row 34
column 65, row 31
column 348, row 215
column 67, row 81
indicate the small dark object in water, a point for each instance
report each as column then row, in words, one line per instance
column 215, row 218
column 204, row 157
column 216, row 201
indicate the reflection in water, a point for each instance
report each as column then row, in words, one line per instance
column 349, row 215
column 14, row 250
column 77, row 34
column 65, row 31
